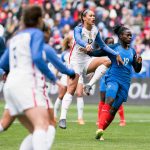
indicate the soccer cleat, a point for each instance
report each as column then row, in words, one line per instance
column 101, row 138
column 99, row 134
column 62, row 123
column 81, row 122
column 87, row 89
column 122, row 123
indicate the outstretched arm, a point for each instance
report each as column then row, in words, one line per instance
column 103, row 46
column 98, row 53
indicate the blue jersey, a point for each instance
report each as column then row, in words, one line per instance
column 121, row 73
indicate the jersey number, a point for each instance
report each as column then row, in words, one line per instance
column 126, row 61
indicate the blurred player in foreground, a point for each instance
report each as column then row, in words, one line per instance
column 26, row 63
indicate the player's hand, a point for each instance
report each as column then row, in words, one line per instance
column 119, row 60
column 139, row 59
column 89, row 48
column 72, row 74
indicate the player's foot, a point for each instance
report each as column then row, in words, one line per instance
column 99, row 134
column 81, row 122
column 101, row 138
column 62, row 123
column 87, row 89
column 122, row 123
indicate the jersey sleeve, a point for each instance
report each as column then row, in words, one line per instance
column 4, row 61
column 37, row 43
column 78, row 37
column 98, row 53
column 55, row 60
column 137, row 66
column 103, row 46
column 2, row 46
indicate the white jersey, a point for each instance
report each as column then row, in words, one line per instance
column 87, row 36
column 20, row 59
column 25, row 85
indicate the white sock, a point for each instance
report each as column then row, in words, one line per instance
column 66, row 102
column 80, row 107
column 39, row 140
column 50, row 136
column 26, row 143
column 99, row 72
column 1, row 128
column 57, row 106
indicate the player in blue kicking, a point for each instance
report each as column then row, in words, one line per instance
column 102, row 89
column 118, row 78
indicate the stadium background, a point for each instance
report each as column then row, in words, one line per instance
column 63, row 15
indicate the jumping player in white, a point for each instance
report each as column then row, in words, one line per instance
column 85, row 35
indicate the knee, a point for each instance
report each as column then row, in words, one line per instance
column 109, row 100
column 113, row 111
column 79, row 93
column 107, row 63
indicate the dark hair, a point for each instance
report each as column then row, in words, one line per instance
column 119, row 29
column 45, row 27
column 31, row 15
column 83, row 14
column 106, row 40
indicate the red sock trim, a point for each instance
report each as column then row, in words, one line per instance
column 105, row 117
column 100, row 106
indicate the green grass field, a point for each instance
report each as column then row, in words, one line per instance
column 134, row 136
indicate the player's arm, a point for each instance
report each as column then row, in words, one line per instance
column 55, row 60
column 4, row 61
column 78, row 37
column 106, row 48
column 97, row 53
column 137, row 63
column 37, row 44
column 103, row 46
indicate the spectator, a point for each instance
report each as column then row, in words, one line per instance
column 66, row 19
column 139, row 8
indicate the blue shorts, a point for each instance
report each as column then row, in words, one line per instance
column 102, row 84
column 117, row 92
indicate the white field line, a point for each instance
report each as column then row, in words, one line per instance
column 127, row 121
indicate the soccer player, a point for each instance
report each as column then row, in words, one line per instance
column 85, row 35
column 7, row 119
column 118, row 77
column 67, row 44
column 23, row 90
column 102, row 88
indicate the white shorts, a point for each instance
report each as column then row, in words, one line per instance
column 81, row 68
column 20, row 95
column 63, row 79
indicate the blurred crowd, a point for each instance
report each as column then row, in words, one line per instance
column 63, row 15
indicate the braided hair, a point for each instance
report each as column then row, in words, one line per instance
column 119, row 29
